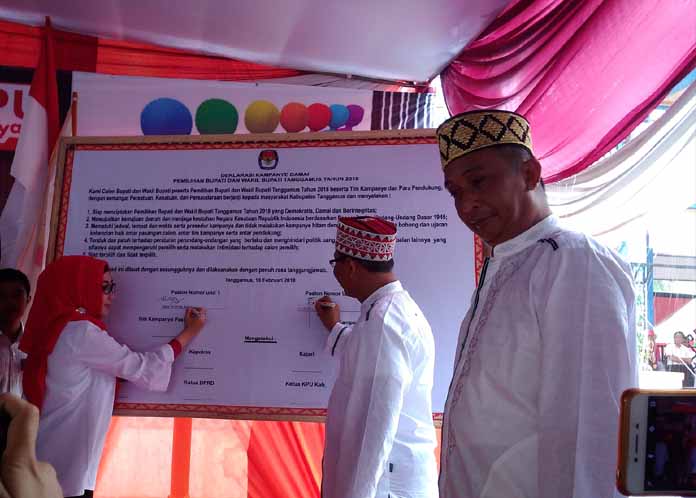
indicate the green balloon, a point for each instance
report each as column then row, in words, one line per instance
column 216, row 116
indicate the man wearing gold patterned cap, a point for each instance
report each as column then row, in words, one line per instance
column 380, row 438
column 548, row 344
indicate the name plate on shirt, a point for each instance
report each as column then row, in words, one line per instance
column 245, row 227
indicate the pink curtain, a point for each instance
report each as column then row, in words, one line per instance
column 585, row 73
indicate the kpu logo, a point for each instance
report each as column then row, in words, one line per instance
column 268, row 159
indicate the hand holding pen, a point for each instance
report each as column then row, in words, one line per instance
column 328, row 311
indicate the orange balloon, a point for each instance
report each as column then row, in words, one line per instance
column 294, row 117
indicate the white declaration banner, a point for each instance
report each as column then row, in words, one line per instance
column 246, row 228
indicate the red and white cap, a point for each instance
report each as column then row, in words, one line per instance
column 366, row 237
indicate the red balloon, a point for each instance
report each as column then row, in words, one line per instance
column 293, row 117
column 319, row 116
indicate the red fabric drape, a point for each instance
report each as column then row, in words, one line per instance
column 20, row 46
column 584, row 73
column 285, row 459
column 44, row 87
column 668, row 305
column 228, row 459
column 141, row 460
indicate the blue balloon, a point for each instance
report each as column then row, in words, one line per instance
column 339, row 116
column 166, row 116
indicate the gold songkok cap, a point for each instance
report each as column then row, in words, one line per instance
column 473, row 130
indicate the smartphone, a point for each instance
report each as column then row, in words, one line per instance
column 657, row 447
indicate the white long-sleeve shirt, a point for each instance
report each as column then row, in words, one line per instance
column 544, row 354
column 380, row 437
column 79, row 400
column 11, row 358
column 683, row 352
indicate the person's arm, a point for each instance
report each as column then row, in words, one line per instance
column 585, row 311
column 329, row 313
column 382, row 374
column 194, row 321
column 150, row 370
column 21, row 474
column 336, row 340
column 671, row 354
column 686, row 353
column 667, row 353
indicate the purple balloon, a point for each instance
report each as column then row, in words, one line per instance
column 355, row 116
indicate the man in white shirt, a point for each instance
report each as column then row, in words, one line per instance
column 15, row 294
column 548, row 344
column 679, row 356
column 380, row 438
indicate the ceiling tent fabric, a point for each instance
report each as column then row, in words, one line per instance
column 20, row 44
column 584, row 73
column 19, row 47
column 401, row 40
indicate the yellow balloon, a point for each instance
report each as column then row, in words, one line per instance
column 261, row 117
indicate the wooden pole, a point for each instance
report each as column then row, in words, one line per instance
column 73, row 114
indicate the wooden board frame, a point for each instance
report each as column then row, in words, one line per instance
column 63, row 179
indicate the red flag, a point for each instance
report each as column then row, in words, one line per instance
column 22, row 222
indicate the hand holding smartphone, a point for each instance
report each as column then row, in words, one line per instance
column 21, row 475
column 657, row 447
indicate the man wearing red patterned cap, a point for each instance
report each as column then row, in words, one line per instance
column 380, row 438
column 548, row 344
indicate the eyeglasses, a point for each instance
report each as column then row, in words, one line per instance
column 333, row 262
column 108, row 287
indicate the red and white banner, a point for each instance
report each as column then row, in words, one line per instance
column 23, row 223
column 12, row 100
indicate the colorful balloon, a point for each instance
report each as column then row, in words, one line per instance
column 339, row 116
column 165, row 116
column 318, row 116
column 293, row 117
column 261, row 117
column 355, row 116
column 215, row 116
